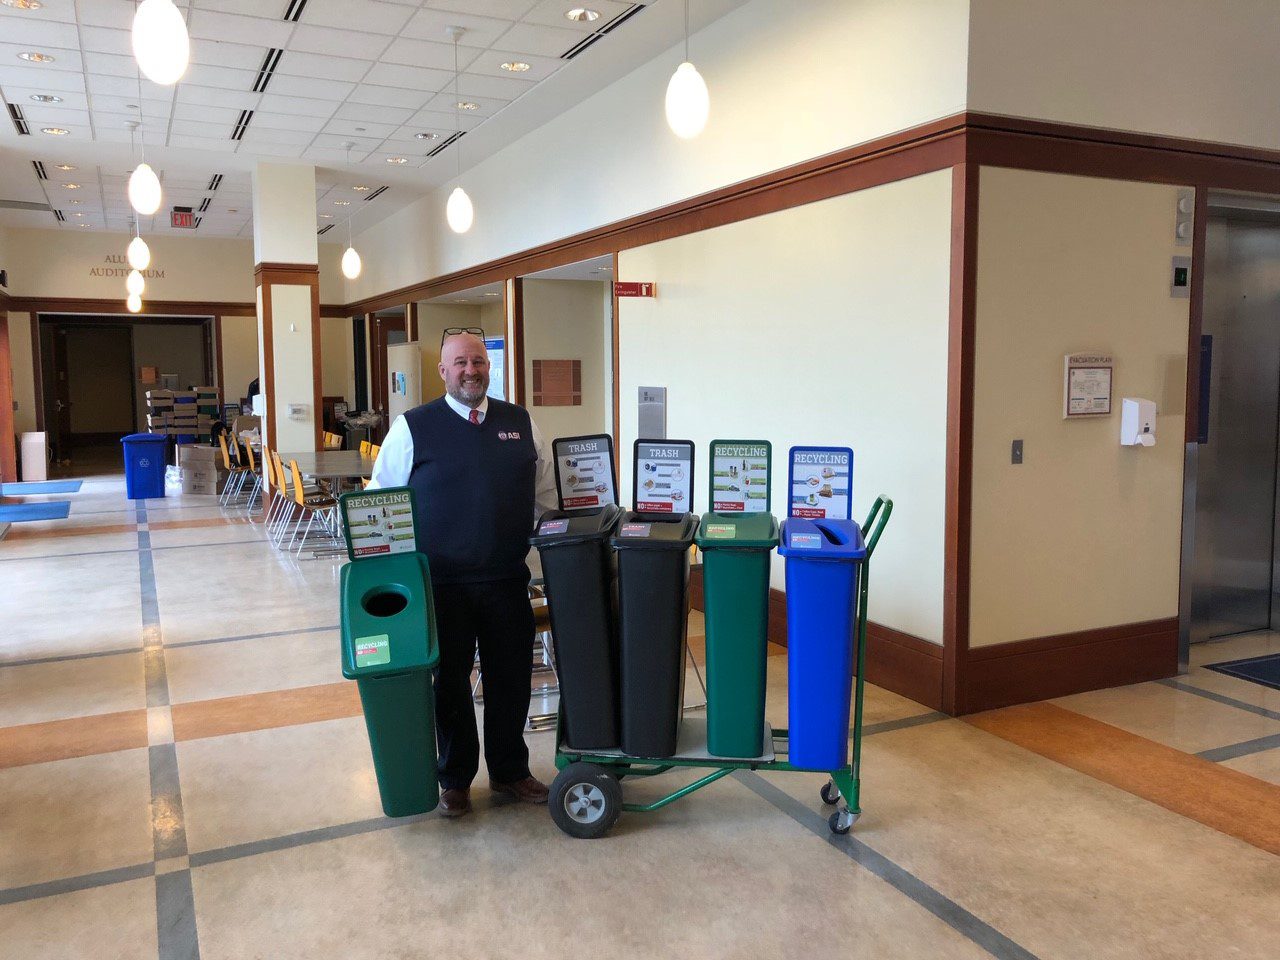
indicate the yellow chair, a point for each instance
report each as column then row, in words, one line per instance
column 235, row 472
column 365, row 447
column 320, row 505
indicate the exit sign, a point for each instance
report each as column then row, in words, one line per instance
column 621, row 289
column 182, row 217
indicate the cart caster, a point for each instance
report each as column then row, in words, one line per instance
column 842, row 821
column 585, row 800
column 830, row 794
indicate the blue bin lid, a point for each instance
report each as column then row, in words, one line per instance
column 144, row 438
column 822, row 539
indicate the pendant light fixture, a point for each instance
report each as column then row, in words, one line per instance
column 134, row 283
column 133, row 302
column 688, row 102
column 350, row 259
column 138, row 253
column 144, row 185
column 160, row 41
column 458, row 211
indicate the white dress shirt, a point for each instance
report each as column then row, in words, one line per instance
column 395, row 460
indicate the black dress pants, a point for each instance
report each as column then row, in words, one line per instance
column 496, row 615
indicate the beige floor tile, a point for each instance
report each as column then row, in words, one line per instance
column 1264, row 765
column 213, row 670
column 1254, row 694
column 55, row 607
column 16, row 548
column 116, row 922
column 71, row 817
column 72, row 688
column 1065, row 865
column 197, row 536
column 1173, row 717
column 268, row 783
column 1235, row 648
column 708, row 877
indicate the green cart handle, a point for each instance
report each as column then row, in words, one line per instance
column 884, row 504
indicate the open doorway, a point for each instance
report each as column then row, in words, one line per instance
column 387, row 328
column 479, row 308
column 568, row 348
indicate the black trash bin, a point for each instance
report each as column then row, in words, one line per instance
column 578, row 569
column 653, row 616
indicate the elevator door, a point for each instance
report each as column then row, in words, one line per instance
column 1235, row 586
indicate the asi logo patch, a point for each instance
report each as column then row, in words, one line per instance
column 511, row 435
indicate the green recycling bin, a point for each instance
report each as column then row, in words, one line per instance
column 390, row 648
column 735, row 571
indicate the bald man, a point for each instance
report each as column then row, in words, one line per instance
column 478, row 470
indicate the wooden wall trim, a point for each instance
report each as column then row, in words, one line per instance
column 268, row 384
column 299, row 273
column 317, row 367
column 517, row 330
column 37, row 368
column 154, row 308
column 617, row 371
column 1195, row 325
column 217, row 352
column 411, row 321
column 8, row 449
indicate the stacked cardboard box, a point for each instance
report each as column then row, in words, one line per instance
column 182, row 412
column 159, row 410
column 199, row 465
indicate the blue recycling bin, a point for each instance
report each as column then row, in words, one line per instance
column 144, row 466
column 823, row 562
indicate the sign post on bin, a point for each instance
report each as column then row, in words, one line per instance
column 378, row 523
column 584, row 472
column 740, row 474
column 820, row 483
column 662, row 476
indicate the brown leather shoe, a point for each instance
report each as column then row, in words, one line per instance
column 454, row 802
column 528, row 790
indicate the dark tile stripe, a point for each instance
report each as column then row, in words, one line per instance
column 906, row 883
column 168, row 826
column 86, row 881
column 256, row 847
column 887, row 726
column 1231, row 751
column 251, row 636
column 35, row 661
column 176, row 917
column 1220, row 698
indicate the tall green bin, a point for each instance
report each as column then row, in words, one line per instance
column 390, row 648
column 735, row 571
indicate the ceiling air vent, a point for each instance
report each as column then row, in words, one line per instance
column 60, row 216
column 19, row 121
column 375, row 193
column 242, row 125
column 40, row 174
column 24, row 205
column 268, row 69
column 445, row 143
column 198, row 219
column 215, row 182
column 325, row 229
column 608, row 28
column 204, row 204
column 294, row 13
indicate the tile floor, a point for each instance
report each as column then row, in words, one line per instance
column 184, row 773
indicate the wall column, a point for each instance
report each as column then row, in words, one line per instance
column 287, row 277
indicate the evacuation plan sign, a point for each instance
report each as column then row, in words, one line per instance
column 379, row 522
column 740, row 476
column 820, row 483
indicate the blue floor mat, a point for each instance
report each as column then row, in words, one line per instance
column 43, row 486
column 17, row 512
column 1263, row 670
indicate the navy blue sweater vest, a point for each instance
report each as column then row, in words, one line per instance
column 474, row 490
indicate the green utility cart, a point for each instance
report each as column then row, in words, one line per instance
column 390, row 646
column 586, row 797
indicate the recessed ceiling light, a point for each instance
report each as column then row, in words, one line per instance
column 342, row 203
column 65, row 166
column 515, row 66
column 426, row 136
column 45, row 98
column 82, row 224
column 493, row 294
column 32, row 57
column 397, row 159
column 55, row 131
column 361, row 188
column 582, row 15
column 74, row 202
column 468, row 105
column 326, row 216
column 71, row 186
column 23, row 4
column 77, row 214
column 233, row 210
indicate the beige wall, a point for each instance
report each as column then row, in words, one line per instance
column 24, row 390
column 566, row 320
column 291, row 351
column 239, row 356
column 433, row 318
column 824, row 324
column 337, row 358
column 1085, row 533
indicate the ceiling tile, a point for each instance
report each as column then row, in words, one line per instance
column 236, row 99
column 374, row 112
column 204, row 113
column 507, row 9
column 103, row 40
column 112, row 65
column 496, row 88
column 407, row 135
column 481, row 31
column 540, row 40
column 389, row 96
column 39, row 115
column 490, row 64
column 306, row 87
column 71, row 99
column 444, row 103
column 203, row 143
column 367, row 15
column 227, row 78
column 321, row 67
column 427, row 53
column 107, row 103
column 38, row 32
column 348, row 128
column 362, row 145
column 413, row 78
column 197, row 128
column 273, row 102
column 63, row 11
column 267, row 135
column 220, row 53
column 247, row 7
column 337, row 43
column 47, row 81
column 288, row 121
column 551, row 13
column 64, row 58
column 212, row 25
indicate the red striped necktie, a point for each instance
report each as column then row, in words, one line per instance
column 475, row 417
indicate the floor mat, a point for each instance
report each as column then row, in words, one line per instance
column 1264, row 670
column 38, row 487
column 18, row 512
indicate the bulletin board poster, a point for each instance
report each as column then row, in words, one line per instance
column 379, row 522
column 821, row 483
column 497, row 347
column 662, row 476
column 584, row 472
column 740, row 476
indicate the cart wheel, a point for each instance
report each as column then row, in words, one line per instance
column 830, row 795
column 585, row 800
column 842, row 821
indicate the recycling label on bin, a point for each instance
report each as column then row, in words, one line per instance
column 662, row 476
column 806, row 541
column 379, row 522
column 722, row 531
column 584, row 472
column 373, row 651
column 740, row 476
column 820, row 483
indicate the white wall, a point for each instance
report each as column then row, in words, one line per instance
column 239, row 356
column 783, row 87
column 291, row 350
column 824, row 324
column 24, row 390
column 566, row 320
column 1084, row 533
column 1184, row 68
column 284, row 213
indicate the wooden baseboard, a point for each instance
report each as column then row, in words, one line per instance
column 1056, row 666
column 896, row 661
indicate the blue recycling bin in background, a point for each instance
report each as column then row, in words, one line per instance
column 823, row 562
column 144, row 466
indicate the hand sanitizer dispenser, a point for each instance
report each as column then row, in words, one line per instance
column 1137, row 422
